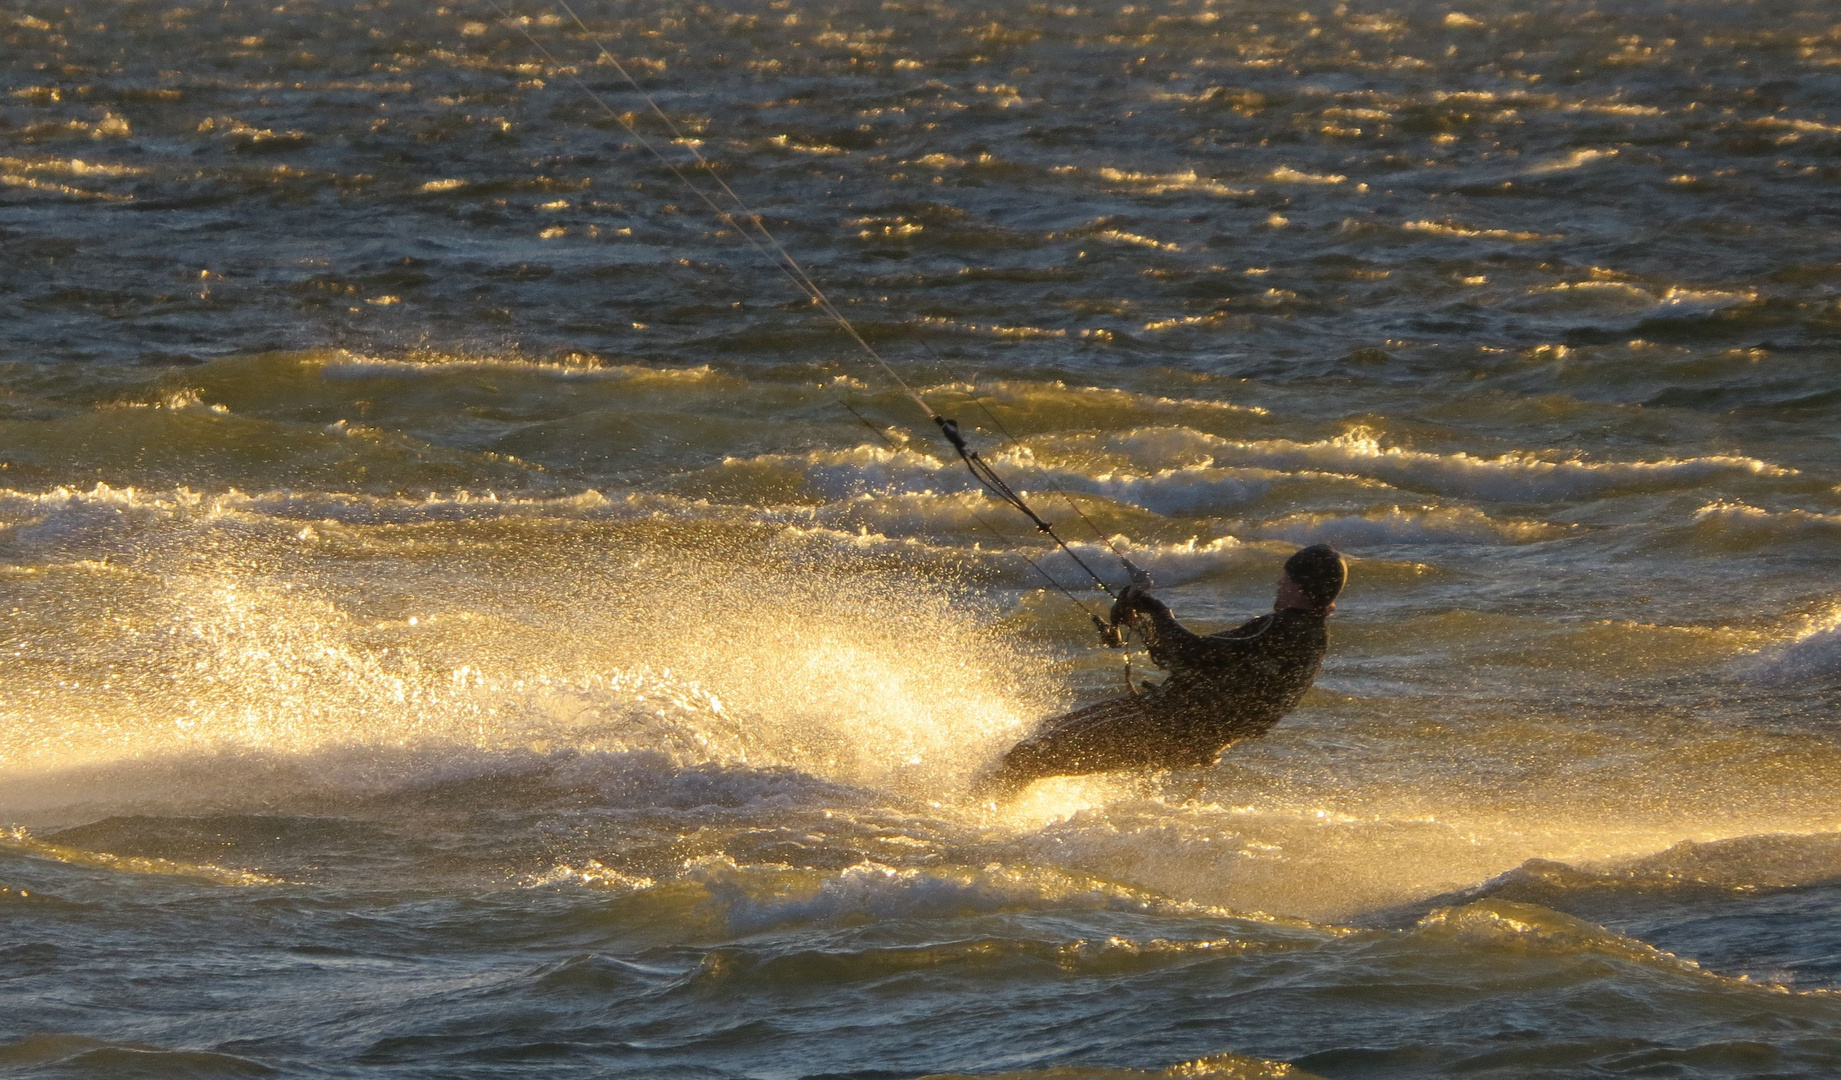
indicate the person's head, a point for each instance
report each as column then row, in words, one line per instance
column 1312, row 579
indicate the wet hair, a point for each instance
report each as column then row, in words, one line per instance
column 1318, row 572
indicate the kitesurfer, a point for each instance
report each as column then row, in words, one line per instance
column 1222, row 687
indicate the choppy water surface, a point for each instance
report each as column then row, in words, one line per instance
column 450, row 627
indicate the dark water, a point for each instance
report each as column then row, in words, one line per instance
column 449, row 625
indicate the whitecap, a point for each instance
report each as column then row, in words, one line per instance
column 1813, row 654
column 1407, row 525
column 349, row 365
column 1517, row 476
column 754, row 899
column 1575, row 160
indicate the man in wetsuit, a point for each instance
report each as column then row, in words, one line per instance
column 1223, row 687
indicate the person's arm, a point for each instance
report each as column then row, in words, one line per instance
column 1173, row 647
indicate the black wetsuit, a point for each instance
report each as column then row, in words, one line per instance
column 1222, row 687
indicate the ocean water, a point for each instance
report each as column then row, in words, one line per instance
column 462, row 614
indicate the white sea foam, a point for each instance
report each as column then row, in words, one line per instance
column 1407, row 525
column 1628, row 300
column 880, row 471
column 1169, row 563
column 1742, row 517
column 1162, row 183
column 880, row 504
column 1812, row 655
column 1529, row 927
column 1511, row 477
column 1029, row 396
column 101, row 519
column 860, row 470
column 1678, row 300
column 1183, row 491
column 592, row 874
column 1621, row 294
column 1285, row 174
column 1576, row 160
column 1475, row 232
column 870, row 891
column 348, row 365
column 1185, row 472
